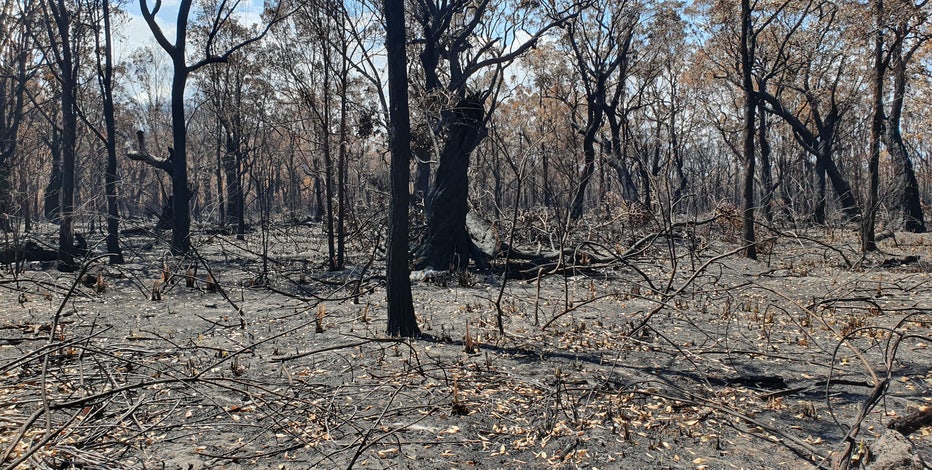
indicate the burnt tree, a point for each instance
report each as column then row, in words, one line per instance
column 460, row 42
column 401, row 319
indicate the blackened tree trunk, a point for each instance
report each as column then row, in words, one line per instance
column 447, row 245
column 619, row 159
column 766, row 175
column 593, row 124
column 328, row 165
column 451, row 29
column 868, row 222
column 906, row 187
column 52, row 202
column 105, row 77
column 181, row 207
column 232, row 163
column 318, row 192
column 818, row 216
column 218, row 175
column 60, row 22
column 401, row 319
column 750, row 109
column 820, row 143
column 6, row 188
column 342, row 157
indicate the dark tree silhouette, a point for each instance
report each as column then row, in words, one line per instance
column 401, row 319
column 750, row 108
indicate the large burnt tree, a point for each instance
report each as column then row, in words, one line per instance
column 462, row 40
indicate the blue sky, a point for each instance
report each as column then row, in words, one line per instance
column 135, row 33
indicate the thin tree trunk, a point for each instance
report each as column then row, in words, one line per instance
column 594, row 122
column 111, row 177
column 341, row 168
column 765, row 166
column 868, row 241
column 401, row 319
column 750, row 108
column 818, row 216
column 68, row 67
column 180, row 201
column 328, row 166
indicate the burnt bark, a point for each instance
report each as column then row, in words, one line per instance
column 766, row 175
column 594, row 117
column 52, row 200
column 905, row 186
column 12, row 93
column 62, row 33
column 401, row 319
column 447, row 245
column 232, row 163
column 111, row 178
column 868, row 237
column 750, row 109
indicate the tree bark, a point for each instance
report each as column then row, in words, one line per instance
column 52, row 201
column 593, row 124
column 12, row 91
column 750, row 108
column 401, row 319
column 447, row 245
column 868, row 222
column 181, row 207
column 766, row 175
column 111, row 177
column 906, row 187
column 60, row 30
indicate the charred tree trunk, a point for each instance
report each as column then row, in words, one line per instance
column 318, row 192
column 52, row 202
column 341, row 167
column 328, row 166
column 59, row 24
column 750, row 109
column 447, row 245
column 6, row 189
column 594, row 122
column 181, row 207
column 401, row 319
column 766, row 177
column 12, row 93
column 868, row 223
column 819, row 143
column 818, row 216
column 619, row 160
column 111, row 177
column 218, row 175
column 906, row 187
column 232, row 169
column 849, row 205
column 420, row 148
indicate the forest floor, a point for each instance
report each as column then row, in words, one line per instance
column 681, row 355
